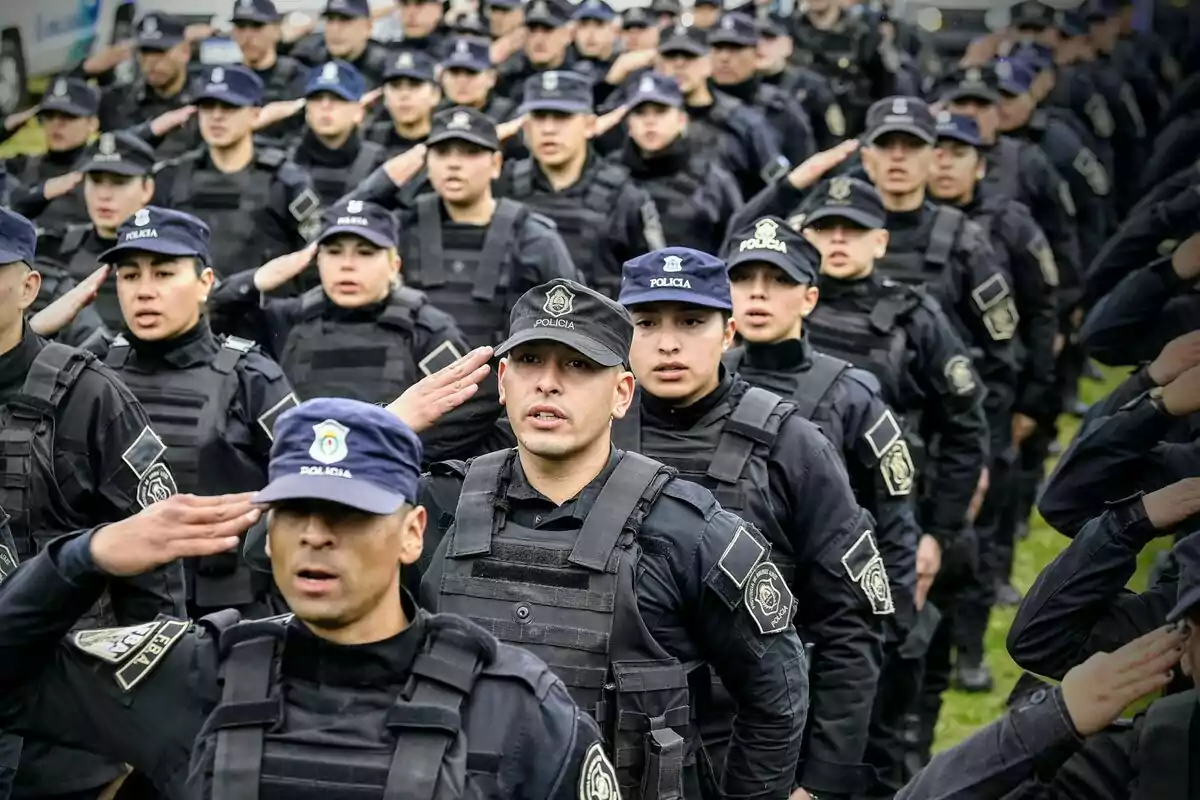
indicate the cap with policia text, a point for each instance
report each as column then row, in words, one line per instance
column 347, row 8
column 339, row 78
column 557, row 90
column 735, row 29
column 159, row 32
column 18, row 238
column 958, row 128
column 546, row 14
column 1187, row 553
column 769, row 240
column 653, row 87
column 262, row 12
column 160, row 230
column 909, row 115
column 596, row 10
column 360, row 218
column 848, row 199
column 676, row 274
column 342, row 451
column 463, row 124
column 414, row 64
column 72, row 97
column 119, row 153
column 469, row 53
column 233, row 85
column 569, row 313
column 682, row 39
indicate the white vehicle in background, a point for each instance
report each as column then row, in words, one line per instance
column 41, row 38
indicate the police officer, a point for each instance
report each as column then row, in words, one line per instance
column 694, row 197
column 331, row 149
column 547, row 46
column 604, row 217
column 723, row 128
column 343, row 516
column 596, row 27
column 424, row 26
column 346, row 37
column 504, row 17
column 639, row 30
column 468, row 78
column 49, row 183
column 162, row 86
column 78, row 451
column 118, row 180
column 471, row 254
column 809, row 88
column 768, row 464
column 552, row 512
column 359, row 333
column 262, row 204
column 410, row 97
column 734, row 43
column 256, row 31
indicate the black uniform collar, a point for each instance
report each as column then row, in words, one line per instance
column 790, row 355
column 367, row 313
column 836, row 288
column 898, row 220
column 15, row 364
column 668, row 414
column 519, row 488
column 190, row 348
column 669, row 161
column 744, row 91
column 64, row 158
column 540, row 181
column 322, row 155
column 387, row 663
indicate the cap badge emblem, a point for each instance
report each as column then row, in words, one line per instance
column 461, row 121
column 900, row 106
column 839, row 188
column 462, row 47
column 550, row 81
column 247, row 5
column 672, row 264
column 150, row 25
column 765, row 232
column 405, row 61
column 945, row 118
column 60, row 88
column 540, row 10
column 559, row 301
column 354, row 207
column 647, row 84
column 329, row 72
column 727, row 23
column 974, row 75
column 217, row 75
column 329, row 444
column 108, row 145
column 142, row 217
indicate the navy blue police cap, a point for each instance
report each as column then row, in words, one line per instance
column 352, row 9
column 709, row 3
column 1013, row 77
column 1032, row 15
column 119, row 153
column 971, row 83
column 1187, row 553
column 671, row 8
column 470, row 25
column 683, row 39
column 654, row 87
column 596, row 10
column 362, row 219
column 569, row 313
column 546, row 14
column 338, row 78
column 505, row 5
column 72, row 97
column 847, row 199
column 958, row 128
column 910, row 115
column 18, row 238
column 470, row 53
column 772, row 26
column 163, row 231
column 343, row 451
column 557, row 90
column 735, row 29
column 769, row 240
column 637, row 17
column 261, row 12
column 1038, row 56
column 233, row 85
column 158, row 32
column 676, row 274
column 416, row 65
column 463, row 124
column 1072, row 23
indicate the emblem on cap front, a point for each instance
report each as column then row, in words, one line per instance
column 765, row 233
column 150, row 25
column 107, row 145
column 217, row 76
column 354, row 207
column 839, row 188
column 60, row 88
column 461, row 121
column 462, row 47
column 559, row 301
column 329, row 72
column 142, row 217
column 727, row 23
column 247, row 5
column 550, row 81
column 899, row 106
column 647, row 84
column 329, row 444
column 405, row 61
column 672, row 264
column 1004, row 70
column 945, row 118
column 974, row 75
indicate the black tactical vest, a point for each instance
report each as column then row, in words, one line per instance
column 836, row 55
column 81, row 261
column 717, row 131
column 926, row 266
column 27, row 445
column 8, row 548
column 1166, row 752
column 371, row 361
column 805, row 390
column 265, row 743
column 1004, row 168
column 465, row 283
column 69, row 209
column 333, row 183
column 569, row 598
column 688, row 211
column 583, row 219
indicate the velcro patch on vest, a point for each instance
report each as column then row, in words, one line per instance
column 597, row 776
column 272, row 414
column 304, row 205
column 1000, row 315
column 899, row 473
column 8, row 562
column 114, row 645
column 238, row 343
column 151, row 654
column 884, row 433
column 741, row 556
column 145, row 450
column 769, row 600
column 865, row 567
column 156, row 485
column 439, row 358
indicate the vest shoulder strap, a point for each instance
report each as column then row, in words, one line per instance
column 404, row 308
column 619, row 498
column 52, row 374
column 943, row 235
column 1164, row 747
column 752, row 422
column 369, row 155
column 892, row 308
column 607, row 182
column 233, row 349
column 270, row 157
column 428, row 269
column 732, row 359
column 72, row 238
column 312, row 303
column 821, row 376
column 500, row 237
column 475, row 517
column 118, row 352
column 522, row 178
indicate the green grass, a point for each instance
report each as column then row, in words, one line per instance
column 963, row 714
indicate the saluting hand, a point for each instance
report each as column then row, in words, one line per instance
column 815, row 167
column 182, row 526
column 1171, row 505
column 1186, row 258
column 403, row 167
column 59, row 314
column 610, row 120
column 368, row 99
column 169, row 121
column 57, row 187
column 278, row 271
column 1181, row 396
column 14, row 121
column 1179, row 355
column 427, row 400
column 507, row 130
column 279, row 110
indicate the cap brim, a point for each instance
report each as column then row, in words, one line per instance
column 587, row 346
column 1012, row 90
column 857, row 216
column 545, row 22
column 11, row 257
column 595, row 16
column 690, row 48
column 228, row 98
column 461, row 136
column 984, row 93
column 263, row 19
column 657, row 99
column 911, row 130
column 465, row 63
column 961, row 138
column 561, row 106
column 395, row 75
column 158, row 45
column 374, row 237
column 730, row 39
column 773, row 258
column 346, row 14
column 355, row 493
column 338, row 91
column 162, row 247
column 116, row 168
column 1184, row 605
column 70, row 109
column 673, row 296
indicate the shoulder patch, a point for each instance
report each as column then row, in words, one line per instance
column 1047, row 263
column 994, row 299
column 1087, row 165
column 884, row 433
column 896, row 466
column 865, row 567
column 741, row 556
column 439, row 358
column 304, row 205
column 769, row 600
column 8, row 562
column 114, row 645
column 269, row 417
column 153, row 652
column 597, row 777
column 961, row 376
column 156, row 485
column 146, row 449
column 835, row 120
column 1066, row 198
